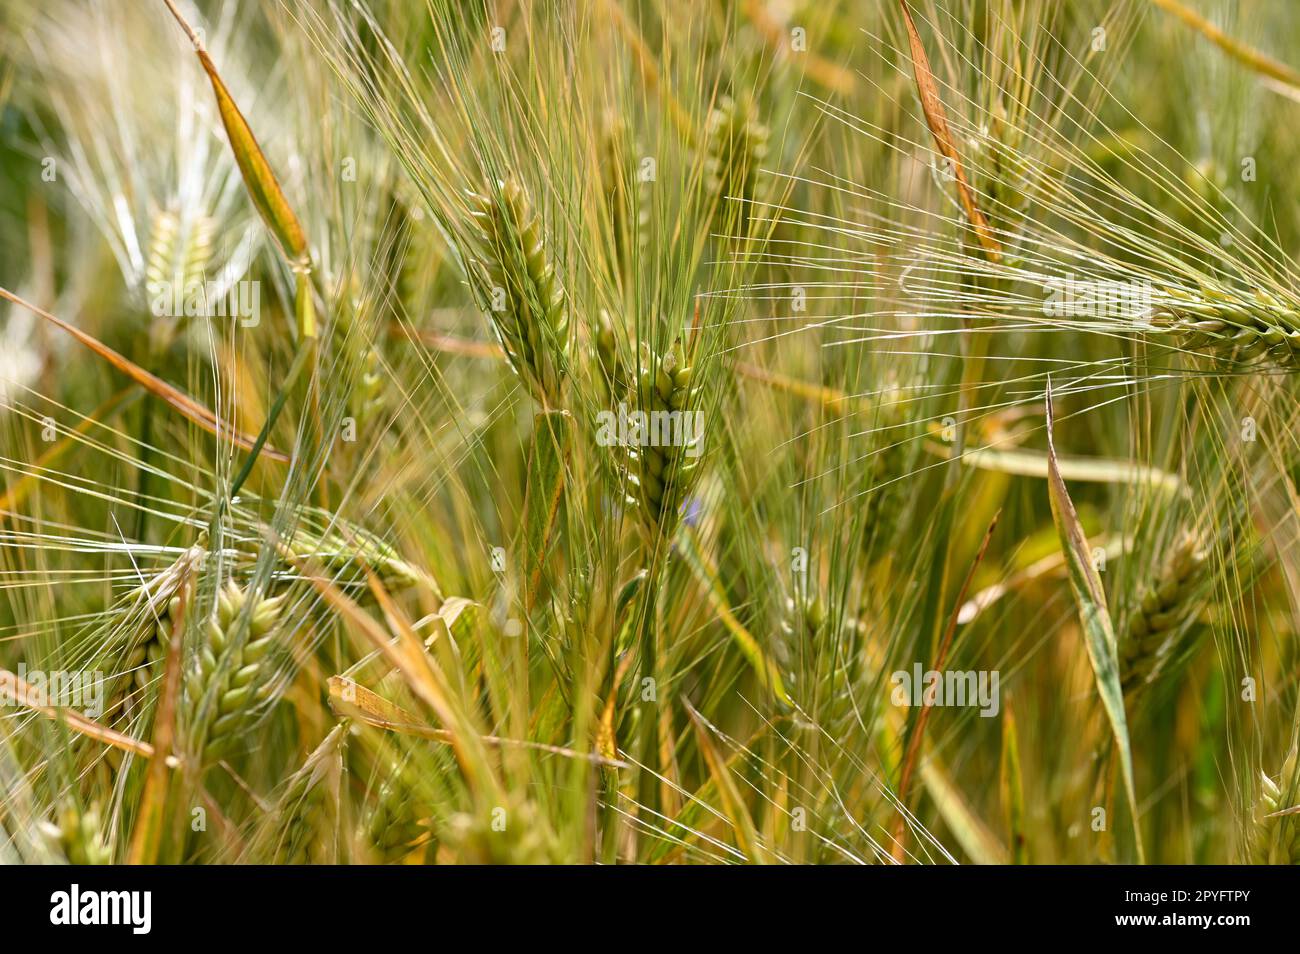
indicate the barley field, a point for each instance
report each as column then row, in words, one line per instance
column 631, row 432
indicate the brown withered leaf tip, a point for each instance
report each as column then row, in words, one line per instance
column 937, row 120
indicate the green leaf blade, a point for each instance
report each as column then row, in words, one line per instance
column 1094, row 616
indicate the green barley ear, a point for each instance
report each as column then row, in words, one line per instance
column 800, row 624
column 367, row 399
column 662, row 472
column 79, row 835
column 518, row 287
column 394, row 823
column 894, row 426
column 348, row 551
column 173, row 256
column 624, row 193
column 805, row 614
column 176, row 258
column 302, row 821
column 360, row 357
column 1226, row 324
column 240, row 683
column 160, row 265
column 1150, row 639
column 526, row 840
column 736, row 143
column 1276, row 841
column 1003, row 170
column 609, row 356
column 144, row 659
column 154, row 605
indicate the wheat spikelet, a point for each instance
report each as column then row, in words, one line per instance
column 1276, row 841
column 1162, row 615
column 241, row 682
column 735, row 142
column 517, row 283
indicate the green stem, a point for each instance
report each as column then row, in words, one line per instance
column 648, row 782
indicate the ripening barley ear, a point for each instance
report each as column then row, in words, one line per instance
column 1150, row 640
column 518, row 288
column 1235, row 325
column 1276, row 841
column 242, row 682
column 805, row 612
column 135, row 668
column 180, row 264
column 160, row 264
column 736, row 143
